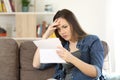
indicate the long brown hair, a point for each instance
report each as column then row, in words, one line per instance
column 77, row 31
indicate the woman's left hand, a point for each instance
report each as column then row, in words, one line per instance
column 64, row 54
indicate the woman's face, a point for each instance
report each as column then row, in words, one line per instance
column 64, row 29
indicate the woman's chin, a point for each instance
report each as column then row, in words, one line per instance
column 66, row 39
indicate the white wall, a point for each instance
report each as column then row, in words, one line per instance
column 8, row 23
column 113, row 24
column 109, row 35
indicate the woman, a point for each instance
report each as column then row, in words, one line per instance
column 83, row 53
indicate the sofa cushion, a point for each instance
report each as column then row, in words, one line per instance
column 9, row 64
column 37, row 74
column 106, row 48
column 27, row 50
column 106, row 57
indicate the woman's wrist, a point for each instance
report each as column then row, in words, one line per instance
column 71, row 59
column 46, row 35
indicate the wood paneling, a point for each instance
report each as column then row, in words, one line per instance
column 25, row 25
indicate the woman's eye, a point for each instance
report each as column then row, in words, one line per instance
column 64, row 26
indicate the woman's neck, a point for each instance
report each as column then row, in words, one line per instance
column 72, row 46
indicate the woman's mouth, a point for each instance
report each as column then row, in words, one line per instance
column 64, row 36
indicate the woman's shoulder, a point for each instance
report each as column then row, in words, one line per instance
column 89, row 39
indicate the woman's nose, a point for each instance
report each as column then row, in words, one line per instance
column 62, row 31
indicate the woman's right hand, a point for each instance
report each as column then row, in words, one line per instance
column 51, row 29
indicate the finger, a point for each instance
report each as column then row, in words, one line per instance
column 60, row 53
column 54, row 25
column 62, row 48
column 55, row 20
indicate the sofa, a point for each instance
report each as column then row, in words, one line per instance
column 16, row 58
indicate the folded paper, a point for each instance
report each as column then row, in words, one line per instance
column 48, row 49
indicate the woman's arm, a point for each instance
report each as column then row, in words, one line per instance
column 93, row 69
column 51, row 29
column 86, row 68
column 36, row 59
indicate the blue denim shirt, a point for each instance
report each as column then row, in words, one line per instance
column 92, row 52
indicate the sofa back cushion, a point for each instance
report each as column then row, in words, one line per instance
column 106, row 48
column 27, row 72
column 106, row 57
column 9, row 63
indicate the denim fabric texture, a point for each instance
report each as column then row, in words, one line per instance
column 92, row 52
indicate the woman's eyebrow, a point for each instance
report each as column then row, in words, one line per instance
column 62, row 26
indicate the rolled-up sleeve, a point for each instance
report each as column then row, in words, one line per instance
column 97, row 55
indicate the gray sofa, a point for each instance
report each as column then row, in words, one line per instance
column 16, row 61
